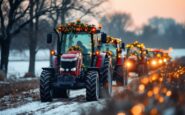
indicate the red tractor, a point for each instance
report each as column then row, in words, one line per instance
column 77, row 63
column 136, row 59
column 114, row 47
column 158, row 58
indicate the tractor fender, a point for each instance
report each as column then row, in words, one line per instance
column 120, row 61
column 49, row 69
column 100, row 60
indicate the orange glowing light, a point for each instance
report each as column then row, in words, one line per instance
column 97, row 52
column 160, row 61
column 161, row 99
column 168, row 93
column 165, row 60
column 154, row 78
column 145, row 80
column 150, row 93
column 141, row 88
column 128, row 64
column 156, row 90
column 154, row 62
column 52, row 52
column 161, row 79
column 93, row 30
column 137, row 109
column 121, row 113
column 154, row 111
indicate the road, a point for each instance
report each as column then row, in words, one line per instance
column 75, row 105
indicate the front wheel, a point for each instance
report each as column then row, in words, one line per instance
column 46, row 91
column 92, row 86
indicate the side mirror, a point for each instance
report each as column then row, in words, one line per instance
column 123, row 45
column 103, row 37
column 49, row 38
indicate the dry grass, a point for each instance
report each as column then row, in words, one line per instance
column 14, row 87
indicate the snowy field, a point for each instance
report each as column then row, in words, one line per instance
column 73, row 106
column 19, row 68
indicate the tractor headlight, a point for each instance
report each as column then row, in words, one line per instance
column 61, row 69
column 154, row 62
column 160, row 61
column 73, row 69
column 165, row 60
column 128, row 64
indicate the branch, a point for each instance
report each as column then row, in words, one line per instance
column 29, row 20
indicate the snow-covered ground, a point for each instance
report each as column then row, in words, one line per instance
column 75, row 105
column 19, row 62
column 19, row 68
column 176, row 53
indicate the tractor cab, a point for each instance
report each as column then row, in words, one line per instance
column 158, row 58
column 136, row 58
column 114, row 47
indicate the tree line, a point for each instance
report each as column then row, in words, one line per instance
column 157, row 33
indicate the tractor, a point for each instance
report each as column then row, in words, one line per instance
column 136, row 58
column 158, row 58
column 114, row 48
column 77, row 63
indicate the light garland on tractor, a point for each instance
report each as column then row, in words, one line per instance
column 77, row 27
column 113, row 40
column 136, row 44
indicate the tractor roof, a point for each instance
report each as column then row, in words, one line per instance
column 77, row 27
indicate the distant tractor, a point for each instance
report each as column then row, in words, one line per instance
column 77, row 63
column 158, row 58
column 136, row 59
column 114, row 48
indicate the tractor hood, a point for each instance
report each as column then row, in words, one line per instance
column 70, row 56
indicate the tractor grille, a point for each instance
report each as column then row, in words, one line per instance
column 68, row 64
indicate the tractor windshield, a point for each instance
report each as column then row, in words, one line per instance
column 81, row 41
column 108, row 47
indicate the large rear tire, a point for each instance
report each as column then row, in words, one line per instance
column 92, row 86
column 107, row 75
column 46, row 91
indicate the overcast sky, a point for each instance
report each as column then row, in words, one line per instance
column 142, row 10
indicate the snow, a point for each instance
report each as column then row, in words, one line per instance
column 19, row 68
column 24, row 55
column 75, row 105
column 176, row 53
column 59, row 106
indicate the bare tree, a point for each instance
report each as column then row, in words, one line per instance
column 117, row 24
column 14, row 16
